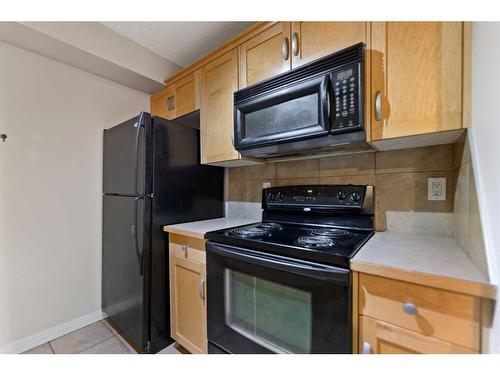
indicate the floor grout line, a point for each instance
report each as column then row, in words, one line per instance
column 69, row 333
column 114, row 334
column 97, row 343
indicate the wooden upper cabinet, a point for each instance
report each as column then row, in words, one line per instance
column 161, row 103
column 186, row 96
column 265, row 55
column 218, row 82
column 178, row 99
column 377, row 337
column 416, row 85
column 313, row 40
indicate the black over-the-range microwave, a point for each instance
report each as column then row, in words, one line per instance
column 314, row 106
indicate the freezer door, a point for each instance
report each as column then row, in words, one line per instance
column 125, row 252
column 124, row 162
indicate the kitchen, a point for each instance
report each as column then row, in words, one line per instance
column 299, row 187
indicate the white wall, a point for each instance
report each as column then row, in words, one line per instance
column 50, row 191
column 485, row 139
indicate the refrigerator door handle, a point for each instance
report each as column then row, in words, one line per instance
column 136, row 236
column 139, row 125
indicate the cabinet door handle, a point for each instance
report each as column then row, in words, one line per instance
column 295, row 44
column 410, row 309
column 201, row 289
column 169, row 103
column 367, row 348
column 284, row 48
column 378, row 105
column 173, row 101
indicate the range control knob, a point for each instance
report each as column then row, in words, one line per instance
column 271, row 196
column 341, row 195
column 355, row 196
column 281, row 196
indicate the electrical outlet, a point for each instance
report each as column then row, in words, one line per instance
column 266, row 185
column 436, row 189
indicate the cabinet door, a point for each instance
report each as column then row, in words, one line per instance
column 187, row 304
column 162, row 103
column 312, row 40
column 218, row 82
column 186, row 95
column 377, row 337
column 265, row 55
column 416, row 78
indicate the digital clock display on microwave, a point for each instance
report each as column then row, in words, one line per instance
column 344, row 74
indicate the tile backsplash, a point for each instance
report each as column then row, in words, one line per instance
column 400, row 177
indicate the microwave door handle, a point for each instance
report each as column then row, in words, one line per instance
column 325, row 273
column 325, row 95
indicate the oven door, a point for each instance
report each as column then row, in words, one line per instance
column 263, row 303
column 296, row 112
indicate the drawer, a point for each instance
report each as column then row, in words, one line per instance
column 186, row 247
column 378, row 337
column 432, row 312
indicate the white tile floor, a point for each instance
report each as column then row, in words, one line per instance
column 97, row 338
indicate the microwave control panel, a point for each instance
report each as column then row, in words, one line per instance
column 347, row 101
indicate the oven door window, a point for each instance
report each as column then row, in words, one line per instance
column 262, row 303
column 273, row 315
column 295, row 112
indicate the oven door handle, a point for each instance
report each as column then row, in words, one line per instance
column 296, row 266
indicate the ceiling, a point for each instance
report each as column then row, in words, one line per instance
column 180, row 42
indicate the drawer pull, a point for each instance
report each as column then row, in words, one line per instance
column 184, row 249
column 367, row 348
column 410, row 309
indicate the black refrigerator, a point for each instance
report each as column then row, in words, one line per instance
column 151, row 177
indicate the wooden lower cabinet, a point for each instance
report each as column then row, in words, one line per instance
column 378, row 337
column 445, row 315
column 188, row 308
column 396, row 316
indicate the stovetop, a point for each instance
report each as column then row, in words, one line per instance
column 325, row 244
column 323, row 223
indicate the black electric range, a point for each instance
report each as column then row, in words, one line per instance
column 283, row 285
column 323, row 223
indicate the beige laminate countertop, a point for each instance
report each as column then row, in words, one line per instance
column 430, row 260
column 197, row 229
